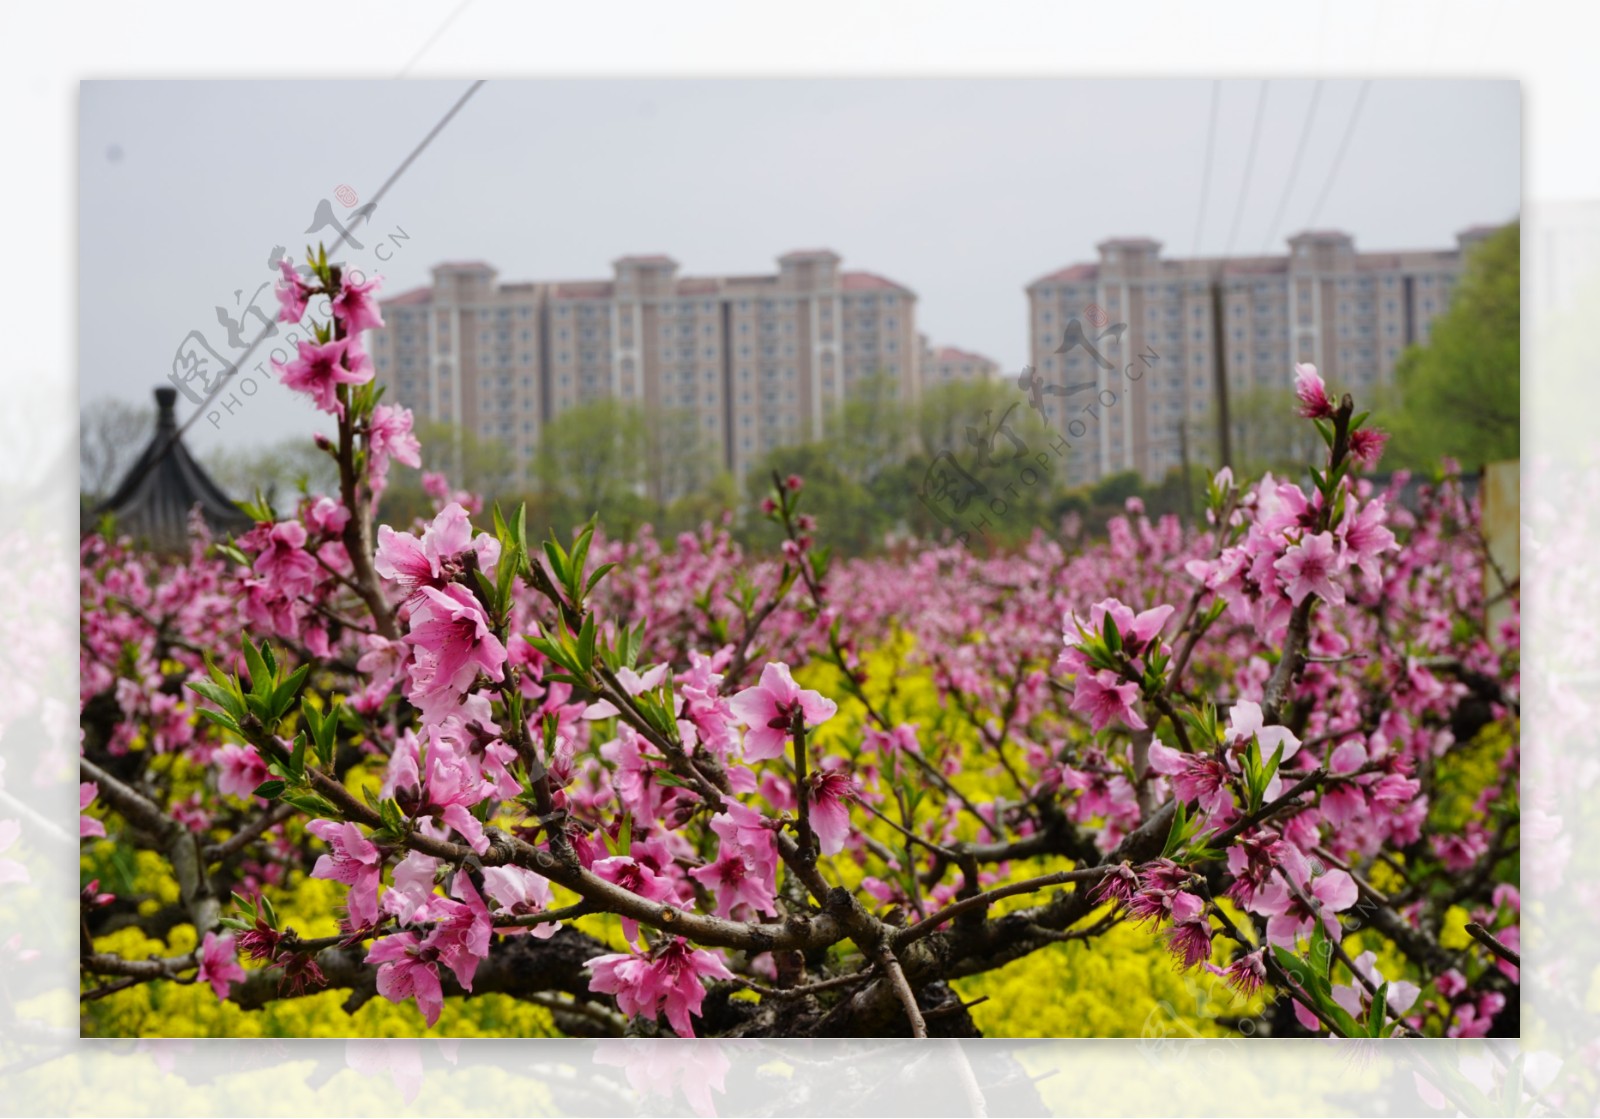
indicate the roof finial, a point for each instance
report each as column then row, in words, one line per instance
column 166, row 405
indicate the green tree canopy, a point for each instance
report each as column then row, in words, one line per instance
column 484, row 466
column 1460, row 394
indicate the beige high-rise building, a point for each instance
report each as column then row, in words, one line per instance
column 755, row 362
column 1144, row 365
column 943, row 365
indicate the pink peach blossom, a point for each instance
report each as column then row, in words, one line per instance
column 768, row 709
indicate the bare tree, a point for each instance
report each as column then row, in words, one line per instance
column 279, row 470
column 111, row 433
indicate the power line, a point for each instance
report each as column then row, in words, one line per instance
column 1338, row 159
column 434, row 38
column 1249, row 166
column 1205, row 177
column 1219, row 345
column 1294, row 167
column 344, row 235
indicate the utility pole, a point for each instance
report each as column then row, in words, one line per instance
column 1219, row 347
column 1183, row 460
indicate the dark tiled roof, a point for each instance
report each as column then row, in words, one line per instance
column 153, row 502
column 583, row 289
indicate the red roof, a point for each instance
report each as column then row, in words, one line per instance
column 406, row 298
column 689, row 286
column 869, row 281
column 950, row 354
column 1070, row 273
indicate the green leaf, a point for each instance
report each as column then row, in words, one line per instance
column 232, row 553
column 506, row 577
column 226, row 700
column 557, row 556
column 1202, row 726
column 1292, row 965
column 1316, row 988
column 270, row 790
column 599, row 574
column 624, row 835
column 491, row 594
column 310, row 803
column 580, row 556
column 260, row 678
column 1251, row 764
column 1321, row 950
column 321, row 728
column 556, row 652
column 1112, row 635
column 1378, row 1012
column 821, row 560
column 283, row 697
column 1339, row 1016
column 586, row 644
column 259, row 509
column 1272, row 767
column 1176, row 833
column 390, row 813
column 218, row 675
column 221, row 719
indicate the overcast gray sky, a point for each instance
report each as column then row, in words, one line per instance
column 964, row 190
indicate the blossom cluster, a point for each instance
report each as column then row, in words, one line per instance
column 700, row 770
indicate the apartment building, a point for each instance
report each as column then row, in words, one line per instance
column 943, row 365
column 1139, row 381
column 757, row 361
